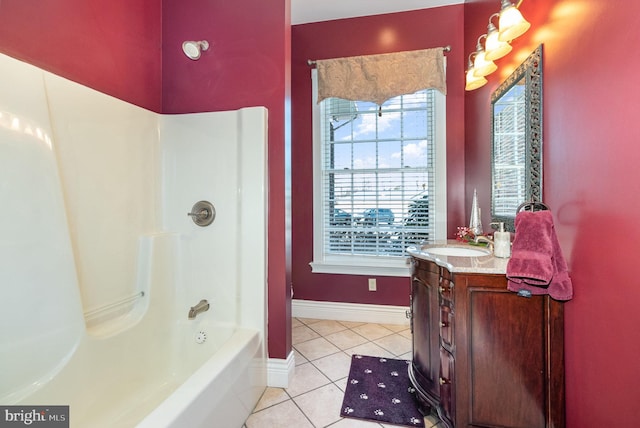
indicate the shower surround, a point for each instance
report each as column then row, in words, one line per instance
column 100, row 263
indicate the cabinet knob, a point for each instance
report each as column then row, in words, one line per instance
column 444, row 381
column 444, row 324
column 442, row 289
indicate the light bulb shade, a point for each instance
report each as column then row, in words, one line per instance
column 473, row 82
column 512, row 24
column 495, row 49
column 481, row 66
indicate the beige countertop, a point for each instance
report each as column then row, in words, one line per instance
column 465, row 264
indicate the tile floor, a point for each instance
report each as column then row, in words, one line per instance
column 323, row 350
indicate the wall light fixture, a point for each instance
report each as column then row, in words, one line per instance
column 482, row 66
column 473, row 81
column 495, row 48
column 511, row 24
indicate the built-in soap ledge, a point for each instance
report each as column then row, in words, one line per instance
column 457, row 256
column 117, row 310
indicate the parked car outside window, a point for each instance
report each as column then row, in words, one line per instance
column 375, row 216
column 341, row 218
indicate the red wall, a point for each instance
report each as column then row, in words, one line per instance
column 364, row 36
column 591, row 176
column 111, row 46
column 132, row 50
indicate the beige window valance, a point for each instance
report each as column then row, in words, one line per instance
column 377, row 78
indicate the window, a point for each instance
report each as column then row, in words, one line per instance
column 379, row 181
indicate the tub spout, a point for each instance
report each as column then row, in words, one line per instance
column 202, row 306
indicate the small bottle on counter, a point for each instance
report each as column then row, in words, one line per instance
column 501, row 242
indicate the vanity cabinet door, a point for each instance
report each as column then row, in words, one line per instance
column 425, row 366
column 509, row 357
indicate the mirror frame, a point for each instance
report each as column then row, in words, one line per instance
column 531, row 71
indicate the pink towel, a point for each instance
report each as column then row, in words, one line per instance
column 536, row 265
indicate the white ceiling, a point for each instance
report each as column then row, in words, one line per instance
column 304, row 11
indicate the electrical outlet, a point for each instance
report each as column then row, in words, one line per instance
column 372, row 284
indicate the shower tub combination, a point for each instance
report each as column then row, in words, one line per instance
column 103, row 271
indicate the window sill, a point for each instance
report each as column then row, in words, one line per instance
column 396, row 268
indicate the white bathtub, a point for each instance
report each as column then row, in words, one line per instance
column 99, row 263
column 130, row 381
column 222, row 392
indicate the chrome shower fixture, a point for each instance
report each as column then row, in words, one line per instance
column 202, row 306
column 193, row 49
column 203, row 213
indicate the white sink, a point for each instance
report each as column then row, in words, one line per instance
column 457, row 251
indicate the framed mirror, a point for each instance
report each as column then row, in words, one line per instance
column 516, row 140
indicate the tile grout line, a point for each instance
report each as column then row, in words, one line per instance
column 373, row 341
column 301, row 410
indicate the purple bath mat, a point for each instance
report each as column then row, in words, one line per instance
column 379, row 389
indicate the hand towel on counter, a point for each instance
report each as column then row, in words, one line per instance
column 537, row 265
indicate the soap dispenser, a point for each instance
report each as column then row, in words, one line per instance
column 501, row 242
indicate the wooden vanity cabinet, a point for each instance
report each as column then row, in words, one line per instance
column 482, row 355
column 425, row 373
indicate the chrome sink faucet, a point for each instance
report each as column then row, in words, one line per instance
column 482, row 238
column 202, row 306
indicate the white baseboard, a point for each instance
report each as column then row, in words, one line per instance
column 380, row 314
column 280, row 371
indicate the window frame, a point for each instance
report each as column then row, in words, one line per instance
column 363, row 264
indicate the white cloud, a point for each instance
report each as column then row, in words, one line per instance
column 413, row 151
column 366, row 163
column 368, row 123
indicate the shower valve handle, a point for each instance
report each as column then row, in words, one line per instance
column 203, row 213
